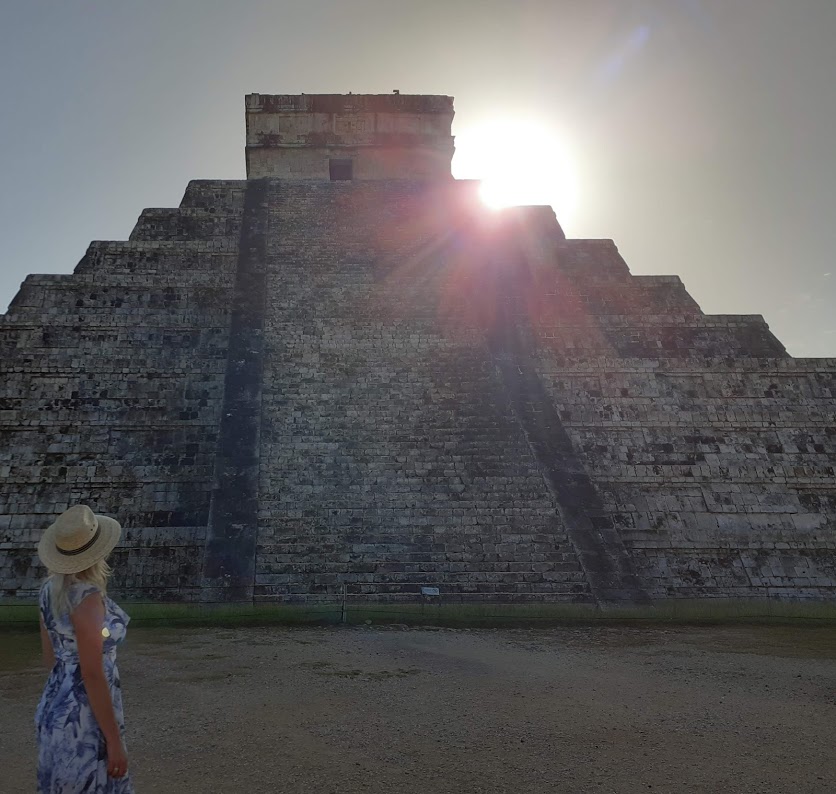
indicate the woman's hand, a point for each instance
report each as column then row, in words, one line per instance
column 117, row 759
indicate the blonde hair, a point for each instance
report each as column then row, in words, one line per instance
column 98, row 574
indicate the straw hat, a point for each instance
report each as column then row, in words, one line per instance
column 78, row 539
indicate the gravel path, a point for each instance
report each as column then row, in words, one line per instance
column 421, row 711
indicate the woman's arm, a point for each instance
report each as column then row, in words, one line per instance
column 87, row 619
column 46, row 647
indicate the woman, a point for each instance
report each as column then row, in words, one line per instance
column 79, row 720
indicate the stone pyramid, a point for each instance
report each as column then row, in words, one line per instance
column 345, row 373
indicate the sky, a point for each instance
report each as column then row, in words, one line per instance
column 698, row 134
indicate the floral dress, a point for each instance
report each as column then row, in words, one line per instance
column 72, row 755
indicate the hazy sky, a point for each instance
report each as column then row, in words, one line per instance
column 701, row 131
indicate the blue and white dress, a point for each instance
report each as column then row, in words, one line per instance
column 72, row 754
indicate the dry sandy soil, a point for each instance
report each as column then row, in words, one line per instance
column 422, row 711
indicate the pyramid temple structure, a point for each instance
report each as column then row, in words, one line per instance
column 345, row 372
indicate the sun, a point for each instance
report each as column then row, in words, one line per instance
column 519, row 162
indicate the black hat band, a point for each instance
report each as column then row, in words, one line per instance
column 83, row 548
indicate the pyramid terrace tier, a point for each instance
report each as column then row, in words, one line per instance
column 291, row 386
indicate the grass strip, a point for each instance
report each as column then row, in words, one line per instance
column 16, row 615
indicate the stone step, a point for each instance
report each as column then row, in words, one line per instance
column 84, row 338
column 115, row 250
column 768, row 414
column 101, row 282
column 157, row 313
column 173, row 225
column 135, row 418
column 215, row 195
column 569, row 366
column 540, row 593
column 411, row 575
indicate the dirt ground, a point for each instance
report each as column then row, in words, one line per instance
column 424, row 711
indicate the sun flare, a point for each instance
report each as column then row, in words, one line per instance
column 518, row 163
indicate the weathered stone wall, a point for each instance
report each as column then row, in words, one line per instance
column 712, row 451
column 387, row 136
column 111, row 382
column 401, row 162
column 718, row 473
column 389, row 458
column 289, row 387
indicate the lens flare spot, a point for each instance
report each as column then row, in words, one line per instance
column 519, row 163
